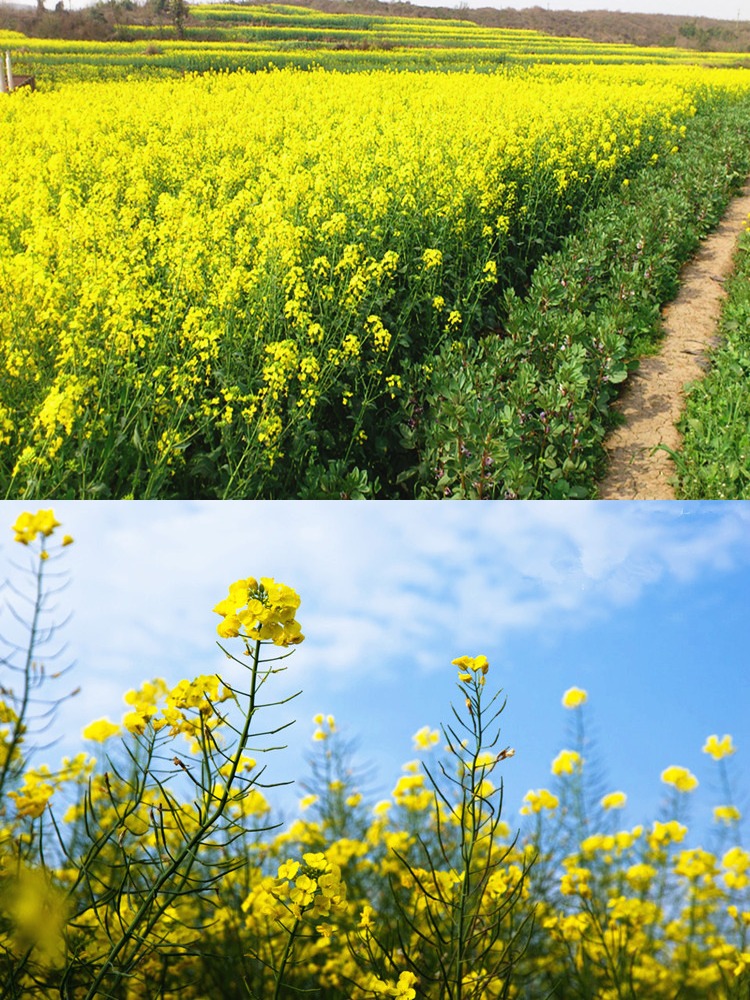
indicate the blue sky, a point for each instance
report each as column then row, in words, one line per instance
column 642, row 604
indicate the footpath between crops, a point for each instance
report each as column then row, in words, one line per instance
column 654, row 396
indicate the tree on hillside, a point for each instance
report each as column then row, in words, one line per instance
column 178, row 11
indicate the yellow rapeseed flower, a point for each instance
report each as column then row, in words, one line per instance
column 405, row 987
column 566, row 762
column 469, row 665
column 425, row 738
column 614, row 800
column 680, row 778
column 665, row 833
column 718, row 748
column 535, row 801
column 28, row 525
column 264, row 609
column 640, row 876
column 432, row 258
column 34, row 793
column 99, row 730
column 575, row 882
column 574, row 697
column 727, row 814
column 288, row 870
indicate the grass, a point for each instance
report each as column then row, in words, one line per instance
column 714, row 461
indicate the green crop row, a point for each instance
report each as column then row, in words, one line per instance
column 522, row 413
column 714, row 461
column 257, row 285
column 230, row 37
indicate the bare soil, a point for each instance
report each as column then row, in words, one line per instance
column 654, row 396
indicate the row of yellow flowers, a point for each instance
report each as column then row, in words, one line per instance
column 158, row 871
column 201, row 274
column 230, row 36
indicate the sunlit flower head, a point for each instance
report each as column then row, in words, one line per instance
column 640, row 875
column 263, row 610
column 615, row 800
column 365, row 921
column 326, row 726
column 34, row 793
column 665, row 833
column 566, row 762
column 575, row 882
column 680, row 778
column 425, row 738
column 574, row 697
column 727, row 814
column 288, row 869
column 404, row 987
column 468, row 666
column 718, row 748
column 100, row 730
column 28, row 526
column 432, row 258
column 695, row 863
column 535, row 801
column 736, row 859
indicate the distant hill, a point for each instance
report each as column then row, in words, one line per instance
column 703, row 33
column 52, row 19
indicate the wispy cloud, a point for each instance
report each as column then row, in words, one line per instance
column 383, row 584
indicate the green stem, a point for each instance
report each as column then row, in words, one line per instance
column 188, row 851
column 468, row 844
column 285, row 957
column 18, row 726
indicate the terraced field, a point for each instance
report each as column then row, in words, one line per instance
column 347, row 280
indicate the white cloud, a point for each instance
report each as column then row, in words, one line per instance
column 382, row 583
column 390, row 593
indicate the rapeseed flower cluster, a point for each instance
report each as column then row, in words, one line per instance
column 262, row 610
column 396, row 899
column 680, row 778
column 312, row 887
column 633, row 903
column 228, row 316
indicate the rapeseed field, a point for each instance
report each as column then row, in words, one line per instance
column 150, row 864
column 235, row 284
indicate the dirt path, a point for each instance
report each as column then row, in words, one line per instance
column 654, row 396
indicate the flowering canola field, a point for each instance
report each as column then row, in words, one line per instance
column 258, row 36
column 219, row 285
column 149, row 865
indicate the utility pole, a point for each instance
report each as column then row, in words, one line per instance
column 6, row 74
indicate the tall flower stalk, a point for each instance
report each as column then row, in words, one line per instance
column 460, row 925
column 259, row 613
column 24, row 713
